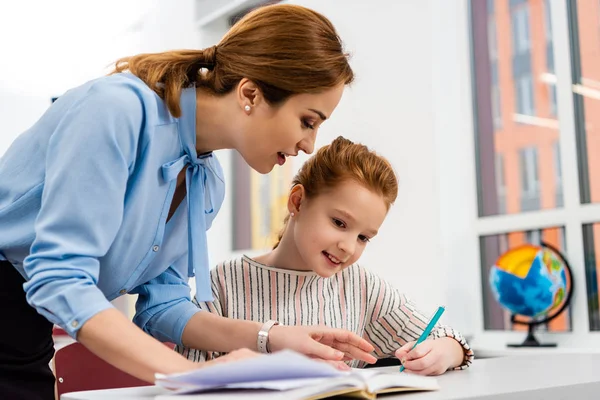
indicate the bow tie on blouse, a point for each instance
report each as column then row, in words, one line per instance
column 198, row 176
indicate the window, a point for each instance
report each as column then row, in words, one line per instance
column 525, row 95
column 530, row 180
column 585, row 67
column 552, row 96
column 508, row 92
column 493, row 55
column 584, row 19
column 547, row 22
column 557, row 175
column 500, row 183
column 496, row 110
column 546, row 171
column 520, row 29
column 550, row 59
column 591, row 240
column 492, row 40
column 521, row 61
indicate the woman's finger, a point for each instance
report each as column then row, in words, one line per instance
column 318, row 350
column 355, row 353
column 343, row 336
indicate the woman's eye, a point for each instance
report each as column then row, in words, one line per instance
column 339, row 223
column 306, row 123
column 363, row 238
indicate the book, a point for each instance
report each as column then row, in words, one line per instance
column 290, row 375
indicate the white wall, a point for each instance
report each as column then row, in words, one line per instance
column 48, row 47
column 458, row 253
column 17, row 113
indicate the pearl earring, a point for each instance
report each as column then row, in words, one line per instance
column 247, row 108
column 292, row 215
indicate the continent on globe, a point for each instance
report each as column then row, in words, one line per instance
column 529, row 280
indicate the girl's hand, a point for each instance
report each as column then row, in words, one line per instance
column 432, row 357
column 321, row 342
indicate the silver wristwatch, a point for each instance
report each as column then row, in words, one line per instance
column 262, row 342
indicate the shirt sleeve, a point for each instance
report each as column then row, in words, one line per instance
column 87, row 168
column 164, row 305
column 396, row 321
column 215, row 307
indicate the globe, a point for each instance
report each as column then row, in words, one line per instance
column 533, row 282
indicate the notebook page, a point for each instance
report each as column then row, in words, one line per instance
column 283, row 365
column 288, row 389
column 379, row 380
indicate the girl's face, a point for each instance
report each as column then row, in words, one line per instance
column 272, row 133
column 331, row 231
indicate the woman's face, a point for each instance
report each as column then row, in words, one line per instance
column 272, row 133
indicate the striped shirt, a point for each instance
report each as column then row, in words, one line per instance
column 353, row 299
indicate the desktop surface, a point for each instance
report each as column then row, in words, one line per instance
column 532, row 377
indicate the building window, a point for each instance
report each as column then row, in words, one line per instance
column 520, row 29
column 530, row 181
column 500, row 184
column 558, row 192
column 524, row 89
column 496, row 110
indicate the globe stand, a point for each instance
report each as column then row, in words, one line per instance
column 530, row 340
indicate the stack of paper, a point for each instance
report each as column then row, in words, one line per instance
column 289, row 375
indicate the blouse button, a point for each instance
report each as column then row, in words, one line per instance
column 75, row 324
column 122, row 291
column 155, row 248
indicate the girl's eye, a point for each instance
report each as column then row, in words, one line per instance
column 363, row 238
column 306, row 123
column 338, row 223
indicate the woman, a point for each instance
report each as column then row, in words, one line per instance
column 92, row 198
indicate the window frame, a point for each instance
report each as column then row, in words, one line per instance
column 461, row 225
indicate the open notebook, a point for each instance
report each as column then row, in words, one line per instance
column 288, row 375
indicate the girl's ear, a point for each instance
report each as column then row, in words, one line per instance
column 295, row 199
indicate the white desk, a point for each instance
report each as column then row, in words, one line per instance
column 547, row 377
column 504, row 351
column 531, row 377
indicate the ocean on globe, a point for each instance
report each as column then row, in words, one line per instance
column 529, row 281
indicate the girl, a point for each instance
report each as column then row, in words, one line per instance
column 113, row 189
column 337, row 203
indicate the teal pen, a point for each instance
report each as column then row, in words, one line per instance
column 428, row 329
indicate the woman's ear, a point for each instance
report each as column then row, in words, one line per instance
column 248, row 94
column 295, row 199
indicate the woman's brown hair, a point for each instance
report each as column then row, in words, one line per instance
column 284, row 49
column 344, row 160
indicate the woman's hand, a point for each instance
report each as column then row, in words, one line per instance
column 432, row 357
column 242, row 354
column 321, row 342
column 236, row 355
